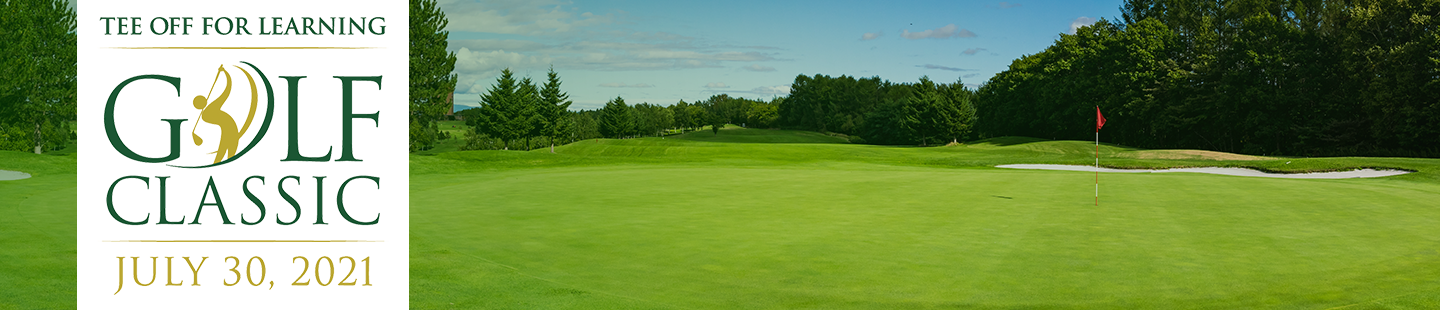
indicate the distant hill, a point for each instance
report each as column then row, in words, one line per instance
column 461, row 107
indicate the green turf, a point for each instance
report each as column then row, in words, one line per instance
column 37, row 232
column 786, row 219
column 686, row 223
column 457, row 133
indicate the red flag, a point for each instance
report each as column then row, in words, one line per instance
column 1099, row 119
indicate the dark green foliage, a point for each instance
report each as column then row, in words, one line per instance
column 432, row 80
column 653, row 119
column 617, row 120
column 515, row 112
column 683, row 115
column 555, row 109
column 826, row 104
column 1260, row 77
column 586, row 126
column 506, row 111
column 879, row 112
column 37, row 74
column 764, row 114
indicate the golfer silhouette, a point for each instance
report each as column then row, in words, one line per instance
column 210, row 113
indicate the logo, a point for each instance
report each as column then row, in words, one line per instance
column 231, row 159
column 225, row 140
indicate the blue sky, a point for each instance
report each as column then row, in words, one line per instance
column 665, row 51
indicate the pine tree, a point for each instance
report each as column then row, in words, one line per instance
column 616, row 119
column 499, row 110
column 431, row 67
column 530, row 110
column 556, row 108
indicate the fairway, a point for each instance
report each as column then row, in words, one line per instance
column 684, row 223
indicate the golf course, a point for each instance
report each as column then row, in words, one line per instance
column 755, row 219
column 776, row 219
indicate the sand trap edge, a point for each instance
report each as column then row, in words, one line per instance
column 1243, row 172
column 7, row 175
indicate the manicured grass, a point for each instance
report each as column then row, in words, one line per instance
column 37, row 232
column 785, row 219
column 679, row 223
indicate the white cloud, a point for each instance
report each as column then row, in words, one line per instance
column 721, row 56
column 759, row 68
column 871, row 36
column 478, row 61
column 716, row 85
column 939, row 67
column 539, row 34
column 519, row 17
column 1080, row 22
column 973, row 51
column 657, row 36
column 949, row 31
column 471, row 66
column 486, row 45
column 772, row 90
column 623, row 85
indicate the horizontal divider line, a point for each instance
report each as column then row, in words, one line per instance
column 242, row 241
column 243, row 48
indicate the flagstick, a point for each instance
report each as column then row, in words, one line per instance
column 1097, row 167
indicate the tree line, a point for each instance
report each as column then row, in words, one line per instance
column 37, row 75
column 514, row 113
column 866, row 110
column 871, row 110
column 618, row 120
column 1291, row 77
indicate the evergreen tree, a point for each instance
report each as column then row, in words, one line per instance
column 531, row 106
column 431, row 79
column 502, row 112
column 556, row 109
column 616, row 119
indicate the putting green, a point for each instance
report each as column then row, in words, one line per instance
column 678, row 224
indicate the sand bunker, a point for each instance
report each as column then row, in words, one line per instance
column 1361, row 173
column 6, row 175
